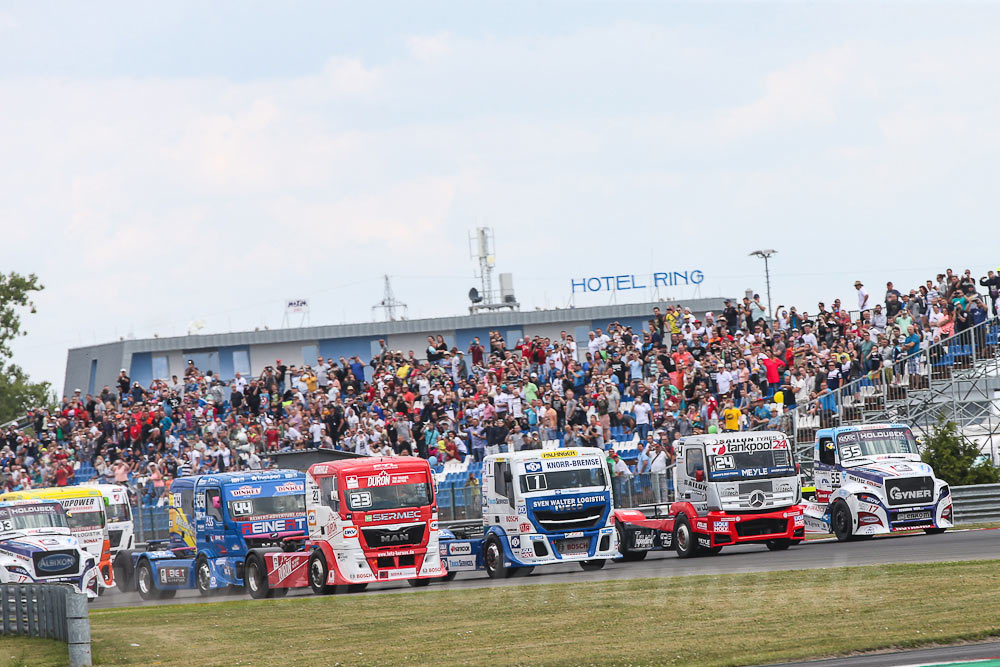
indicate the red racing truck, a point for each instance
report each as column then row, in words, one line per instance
column 732, row 488
column 370, row 519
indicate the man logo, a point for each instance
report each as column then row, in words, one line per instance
column 757, row 499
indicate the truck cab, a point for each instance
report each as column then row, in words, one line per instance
column 225, row 515
column 85, row 515
column 870, row 480
column 37, row 546
column 369, row 520
column 540, row 507
column 732, row 488
column 118, row 512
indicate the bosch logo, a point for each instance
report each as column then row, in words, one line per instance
column 757, row 499
column 55, row 563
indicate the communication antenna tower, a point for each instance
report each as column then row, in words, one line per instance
column 389, row 304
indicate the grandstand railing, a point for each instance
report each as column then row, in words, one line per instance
column 888, row 394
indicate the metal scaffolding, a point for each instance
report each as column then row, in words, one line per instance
column 958, row 378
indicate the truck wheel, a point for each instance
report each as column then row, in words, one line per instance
column 449, row 576
column 840, row 519
column 145, row 583
column 595, row 564
column 684, row 541
column 713, row 551
column 418, row 583
column 934, row 531
column 255, row 579
column 627, row 554
column 318, row 572
column 493, row 559
column 778, row 545
column 203, row 577
column 123, row 572
column 520, row 571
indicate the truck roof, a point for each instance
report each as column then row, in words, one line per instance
column 226, row 478
column 409, row 463
column 532, row 454
column 33, row 501
column 52, row 493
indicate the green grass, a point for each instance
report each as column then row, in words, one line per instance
column 701, row 620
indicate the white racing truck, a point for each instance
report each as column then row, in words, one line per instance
column 36, row 546
column 539, row 507
column 870, row 481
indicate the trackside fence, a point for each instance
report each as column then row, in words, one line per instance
column 976, row 503
column 52, row 611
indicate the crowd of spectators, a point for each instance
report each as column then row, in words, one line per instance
column 680, row 374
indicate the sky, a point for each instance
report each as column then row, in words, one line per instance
column 170, row 163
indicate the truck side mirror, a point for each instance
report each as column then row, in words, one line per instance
column 699, row 475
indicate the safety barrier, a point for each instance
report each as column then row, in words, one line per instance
column 53, row 611
column 976, row 503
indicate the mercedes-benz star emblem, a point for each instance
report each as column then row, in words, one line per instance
column 757, row 499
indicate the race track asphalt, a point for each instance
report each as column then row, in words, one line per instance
column 959, row 655
column 956, row 545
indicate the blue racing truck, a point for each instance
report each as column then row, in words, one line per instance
column 539, row 507
column 214, row 521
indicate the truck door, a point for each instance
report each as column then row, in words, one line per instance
column 691, row 484
column 214, row 516
column 827, row 473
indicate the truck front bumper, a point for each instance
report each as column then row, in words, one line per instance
column 722, row 529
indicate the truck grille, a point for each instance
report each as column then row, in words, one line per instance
column 909, row 491
column 555, row 522
column 755, row 527
column 749, row 487
column 56, row 563
column 115, row 538
column 379, row 538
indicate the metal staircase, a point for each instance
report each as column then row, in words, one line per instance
column 959, row 377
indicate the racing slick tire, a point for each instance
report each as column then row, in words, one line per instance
column 203, row 577
column 520, row 571
column 684, row 540
column 841, row 521
column 628, row 555
column 934, row 531
column 145, row 582
column 712, row 551
column 318, row 573
column 255, row 579
column 590, row 565
column 493, row 559
column 124, row 575
column 449, row 576
column 418, row 583
column 778, row 545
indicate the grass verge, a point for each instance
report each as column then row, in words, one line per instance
column 702, row 620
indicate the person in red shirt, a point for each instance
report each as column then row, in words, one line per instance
column 773, row 366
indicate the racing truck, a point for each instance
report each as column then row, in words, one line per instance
column 870, row 481
column 539, row 507
column 216, row 521
column 732, row 488
column 86, row 518
column 370, row 519
column 118, row 511
column 36, row 546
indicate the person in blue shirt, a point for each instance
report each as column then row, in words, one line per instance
column 911, row 348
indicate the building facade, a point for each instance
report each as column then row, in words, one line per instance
column 90, row 368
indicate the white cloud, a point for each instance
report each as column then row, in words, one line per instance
column 429, row 47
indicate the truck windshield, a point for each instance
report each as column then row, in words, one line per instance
column 876, row 442
column 84, row 519
column 275, row 507
column 563, row 479
column 28, row 517
column 390, row 497
column 750, row 465
column 118, row 512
